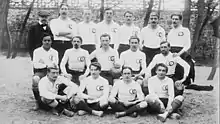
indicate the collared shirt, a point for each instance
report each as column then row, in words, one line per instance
column 49, row 89
column 127, row 92
column 77, row 59
column 88, row 32
column 125, row 32
column 152, row 37
column 59, row 25
column 135, row 60
column 162, row 88
column 43, row 58
column 179, row 37
column 105, row 58
column 44, row 27
column 170, row 62
column 95, row 87
column 111, row 29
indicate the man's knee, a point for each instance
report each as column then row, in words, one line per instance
column 142, row 104
column 151, row 98
column 103, row 102
column 180, row 98
column 35, row 81
column 50, row 102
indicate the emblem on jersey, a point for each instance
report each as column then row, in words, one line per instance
column 139, row 61
column 81, row 58
column 159, row 34
column 114, row 30
column 171, row 63
column 57, row 86
column 165, row 87
column 70, row 26
column 133, row 91
column 51, row 57
column 180, row 34
column 111, row 58
column 41, row 61
column 93, row 30
column 99, row 88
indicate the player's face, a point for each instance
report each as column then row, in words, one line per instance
column 153, row 20
column 161, row 72
column 128, row 18
column 64, row 10
column 47, row 42
column 53, row 74
column 43, row 19
column 87, row 14
column 126, row 74
column 164, row 48
column 94, row 71
column 76, row 43
column 175, row 21
column 134, row 44
column 108, row 15
column 105, row 41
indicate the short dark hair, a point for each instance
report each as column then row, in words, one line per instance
column 128, row 12
column 163, row 42
column 134, row 37
column 161, row 65
column 154, row 14
column 106, row 9
column 63, row 4
column 96, row 64
column 79, row 37
column 179, row 15
column 53, row 66
column 45, row 34
column 126, row 67
column 105, row 35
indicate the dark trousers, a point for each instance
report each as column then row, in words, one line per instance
column 75, row 75
column 156, row 108
column 89, row 47
column 122, row 48
column 150, row 53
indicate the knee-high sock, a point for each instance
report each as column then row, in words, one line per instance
column 117, row 107
column 175, row 105
column 132, row 109
column 36, row 95
column 83, row 106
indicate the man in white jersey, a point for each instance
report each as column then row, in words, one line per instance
column 77, row 60
column 87, row 30
column 134, row 58
column 179, row 38
column 42, row 57
column 108, row 58
column 108, row 26
column 126, row 96
column 151, row 36
column 57, row 91
column 96, row 99
column 126, row 31
column 170, row 61
column 161, row 97
column 63, row 29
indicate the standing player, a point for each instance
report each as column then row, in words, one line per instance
column 151, row 36
column 63, row 29
column 108, row 58
column 179, row 38
column 108, row 26
column 77, row 61
column 161, row 94
column 126, row 31
column 87, row 30
column 36, row 32
column 42, row 57
column 126, row 96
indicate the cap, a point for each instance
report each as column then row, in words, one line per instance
column 43, row 13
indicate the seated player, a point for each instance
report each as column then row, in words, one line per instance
column 126, row 96
column 42, row 57
column 161, row 95
column 96, row 99
column 56, row 91
column 134, row 58
column 108, row 58
column 77, row 61
column 170, row 61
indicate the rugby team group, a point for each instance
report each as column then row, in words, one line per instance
column 89, row 68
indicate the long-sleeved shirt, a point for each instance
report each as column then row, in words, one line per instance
column 43, row 58
column 105, row 58
column 127, row 92
column 59, row 25
column 98, row 88
column 49, row 89
column 170, row 62
column 88, row 32
column 135, row 60
column 179, row 37
column 77, row 60
column 152, row 37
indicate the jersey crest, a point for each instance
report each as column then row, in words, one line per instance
column 99, row 88
column 111, row 58
column 133, row 91
column 93, row 30
column 114, row 30
column 139, row 61
column 171, row 63
column 81, row 58
column 180, row 34
column 165, row 87
column 159, row 34
column 51, row 57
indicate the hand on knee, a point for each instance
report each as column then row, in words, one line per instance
column 143, row 104
column 151, row 98
column 180, row 98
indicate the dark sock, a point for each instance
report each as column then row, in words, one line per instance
column 59, row 108
column 175, row 105
column 199, row 88
column 132, row 109
column 83, row 106
column 117, row 107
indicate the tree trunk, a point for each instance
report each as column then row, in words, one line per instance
column 187, row 13
column 102, row 9
column 4, row 36
column 159, row 8
column 149, row 10
column 21, row 34
column 216, row 27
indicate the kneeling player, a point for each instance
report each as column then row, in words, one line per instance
column 96, row 99
column 126, row 97
column 56, row 91
column 161, row 94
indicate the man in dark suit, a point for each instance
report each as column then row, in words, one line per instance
column 36, row 32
